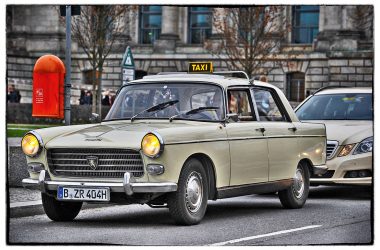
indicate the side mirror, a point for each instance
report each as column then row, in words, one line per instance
column 232, row 116
column 94, row 117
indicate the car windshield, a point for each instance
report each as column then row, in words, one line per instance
column 337, row 107
column 168, row 99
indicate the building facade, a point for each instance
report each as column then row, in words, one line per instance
column 325, row 46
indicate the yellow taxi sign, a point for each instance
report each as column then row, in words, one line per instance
column 200, row 67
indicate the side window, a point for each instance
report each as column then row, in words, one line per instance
column 267, row 107
column 240, row 103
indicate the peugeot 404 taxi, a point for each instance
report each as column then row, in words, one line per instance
column 177, row 141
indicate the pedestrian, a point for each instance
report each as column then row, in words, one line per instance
column 13, row 94
column 88, row 98
column 263, row 78
column 106, row 99
column 82, row 95
column 112, row 98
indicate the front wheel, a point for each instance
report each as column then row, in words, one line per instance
column 60, row 210
column 188, row 204
column 295, row 196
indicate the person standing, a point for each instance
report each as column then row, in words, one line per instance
column 82, row 95
column 13, row 94
column 88, row 98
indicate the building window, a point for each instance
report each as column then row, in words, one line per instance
column 245, row 27
column 305, row 23
column 200, row 19
column 251, row 19
column 295, row 87
column 150, row 23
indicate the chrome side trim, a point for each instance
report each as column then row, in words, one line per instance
column 128, row 185
column 243, row 138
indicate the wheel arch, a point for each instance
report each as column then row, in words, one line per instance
column 309, row 164
column 209, row 166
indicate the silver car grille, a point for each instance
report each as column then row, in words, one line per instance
column 111, row 163
column 331, row 148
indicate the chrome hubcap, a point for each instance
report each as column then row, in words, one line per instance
column 194, row 192
column 298, row 185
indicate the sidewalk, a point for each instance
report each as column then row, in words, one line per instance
column 20, row 197
column 24, row 202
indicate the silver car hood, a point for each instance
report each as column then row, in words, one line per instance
column 347, row 131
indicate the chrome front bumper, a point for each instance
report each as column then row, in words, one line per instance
column 128, row 186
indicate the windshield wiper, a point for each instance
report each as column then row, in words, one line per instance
column 156, row 108
column 193, row 111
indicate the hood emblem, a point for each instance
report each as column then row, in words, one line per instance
column 92, row 161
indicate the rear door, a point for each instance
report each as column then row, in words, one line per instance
column 280, row 132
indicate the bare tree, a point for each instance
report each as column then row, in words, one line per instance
column 249, row 37
column 97, row 31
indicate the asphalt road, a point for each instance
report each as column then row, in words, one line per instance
column 332, row 215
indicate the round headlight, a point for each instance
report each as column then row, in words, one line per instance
column 151, row 145
column 30, row 145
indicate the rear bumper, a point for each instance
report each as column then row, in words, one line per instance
column 128, row 186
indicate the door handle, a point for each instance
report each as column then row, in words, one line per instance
column 262, row 130
column 294, row 129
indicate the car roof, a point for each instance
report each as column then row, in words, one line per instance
column 344, row 90
column 224, row 81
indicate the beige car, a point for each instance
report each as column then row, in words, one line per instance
column 177, row 141
column 348, row 116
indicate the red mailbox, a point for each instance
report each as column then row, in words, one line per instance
column 48, row 87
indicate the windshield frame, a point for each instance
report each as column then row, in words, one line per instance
column 223, row 92
column 354, row 93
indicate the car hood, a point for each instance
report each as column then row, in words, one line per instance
column 347, row 131
column 129, row 135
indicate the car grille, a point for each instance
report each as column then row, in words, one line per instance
column 328, row 174
column 111, row 163
column 331, row 148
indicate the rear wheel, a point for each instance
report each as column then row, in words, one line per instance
column 188, row 204
column 295, row 196
column 60, row 210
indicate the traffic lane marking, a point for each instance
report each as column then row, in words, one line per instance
column 264, row 235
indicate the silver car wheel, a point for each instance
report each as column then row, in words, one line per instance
column 298, row 186
column 194, row 192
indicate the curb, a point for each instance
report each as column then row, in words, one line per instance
column 31, row 208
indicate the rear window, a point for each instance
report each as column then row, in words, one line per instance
column 337, row 107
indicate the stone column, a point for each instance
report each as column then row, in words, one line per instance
column 336, row 31
column 169, row 30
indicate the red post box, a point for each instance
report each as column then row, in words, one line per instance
column 48, row 87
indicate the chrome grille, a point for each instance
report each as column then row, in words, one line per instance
column 331, row 148
column 112, row 163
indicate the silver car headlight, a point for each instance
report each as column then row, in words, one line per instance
column 364, row 146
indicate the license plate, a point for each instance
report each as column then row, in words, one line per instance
column 83, row 193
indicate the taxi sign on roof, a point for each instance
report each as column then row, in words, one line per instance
column 200, row 67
